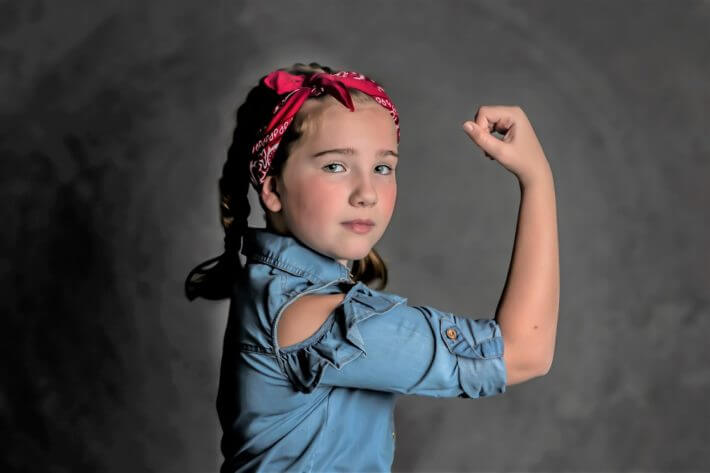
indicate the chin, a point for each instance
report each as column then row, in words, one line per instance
column 355, row 255
column 355, row 249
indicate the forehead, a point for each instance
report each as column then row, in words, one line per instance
column 324, row 118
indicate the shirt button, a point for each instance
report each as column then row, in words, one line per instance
column 451, row 333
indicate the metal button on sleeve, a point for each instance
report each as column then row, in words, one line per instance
column 451, row 333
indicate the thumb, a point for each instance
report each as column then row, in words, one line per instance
column 487, row 142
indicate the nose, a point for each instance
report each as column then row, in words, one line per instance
column 364, row 193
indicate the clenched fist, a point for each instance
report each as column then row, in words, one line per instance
column 519, row 150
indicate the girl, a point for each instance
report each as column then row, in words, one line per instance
column 313, row 357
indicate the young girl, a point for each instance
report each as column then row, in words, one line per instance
column 313, row 357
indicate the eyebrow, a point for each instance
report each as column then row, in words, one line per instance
column 351, row 151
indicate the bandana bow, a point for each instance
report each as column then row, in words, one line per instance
column 298, row 89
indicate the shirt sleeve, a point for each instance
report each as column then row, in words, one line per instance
column 375, row 340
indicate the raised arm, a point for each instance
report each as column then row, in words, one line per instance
column 529, row 305
column 528, row 308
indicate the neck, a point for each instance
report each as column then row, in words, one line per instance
column 282, row 230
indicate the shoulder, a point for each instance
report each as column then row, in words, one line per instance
column 305, row 315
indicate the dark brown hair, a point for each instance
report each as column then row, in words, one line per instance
column 213, row 279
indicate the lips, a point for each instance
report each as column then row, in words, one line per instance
column 360, row 226
column 361, row 222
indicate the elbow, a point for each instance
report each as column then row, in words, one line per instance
column 521, row 372
column 524, row 363
column 538, row 368
column 543, row 367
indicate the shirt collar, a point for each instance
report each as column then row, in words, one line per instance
column 289, row 254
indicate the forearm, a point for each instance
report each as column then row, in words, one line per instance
column 528, row 309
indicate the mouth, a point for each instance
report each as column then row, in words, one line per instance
column 360, row 221
column 359, row 226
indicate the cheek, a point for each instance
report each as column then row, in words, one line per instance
column 316, row 198
column 388, row 196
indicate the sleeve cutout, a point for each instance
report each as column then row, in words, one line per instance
column 341, row 341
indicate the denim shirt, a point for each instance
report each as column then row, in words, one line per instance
column 327, row 403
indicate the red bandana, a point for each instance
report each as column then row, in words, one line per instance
column 299, row 88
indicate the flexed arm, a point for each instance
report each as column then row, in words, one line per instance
column 529, row 305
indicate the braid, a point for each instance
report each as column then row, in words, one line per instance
column 213, row 279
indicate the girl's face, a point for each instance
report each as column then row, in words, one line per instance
column 341, row 169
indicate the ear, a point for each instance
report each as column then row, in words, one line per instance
column 269, row 194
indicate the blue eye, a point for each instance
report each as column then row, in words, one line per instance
column 332, row 164
column 390, row 169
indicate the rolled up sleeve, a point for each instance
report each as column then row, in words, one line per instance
column 478, row 346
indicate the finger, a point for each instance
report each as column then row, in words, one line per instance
column 487, row 142
column 498, row 118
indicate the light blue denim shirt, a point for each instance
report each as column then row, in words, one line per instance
column 327, row 403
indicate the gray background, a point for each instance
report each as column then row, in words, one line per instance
column 115, row 121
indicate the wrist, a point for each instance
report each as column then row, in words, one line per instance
column 541, row 177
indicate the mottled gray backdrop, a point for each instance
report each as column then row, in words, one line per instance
column 115, row 121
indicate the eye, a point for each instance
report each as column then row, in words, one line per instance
column 391, row 170
column 331, row 164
